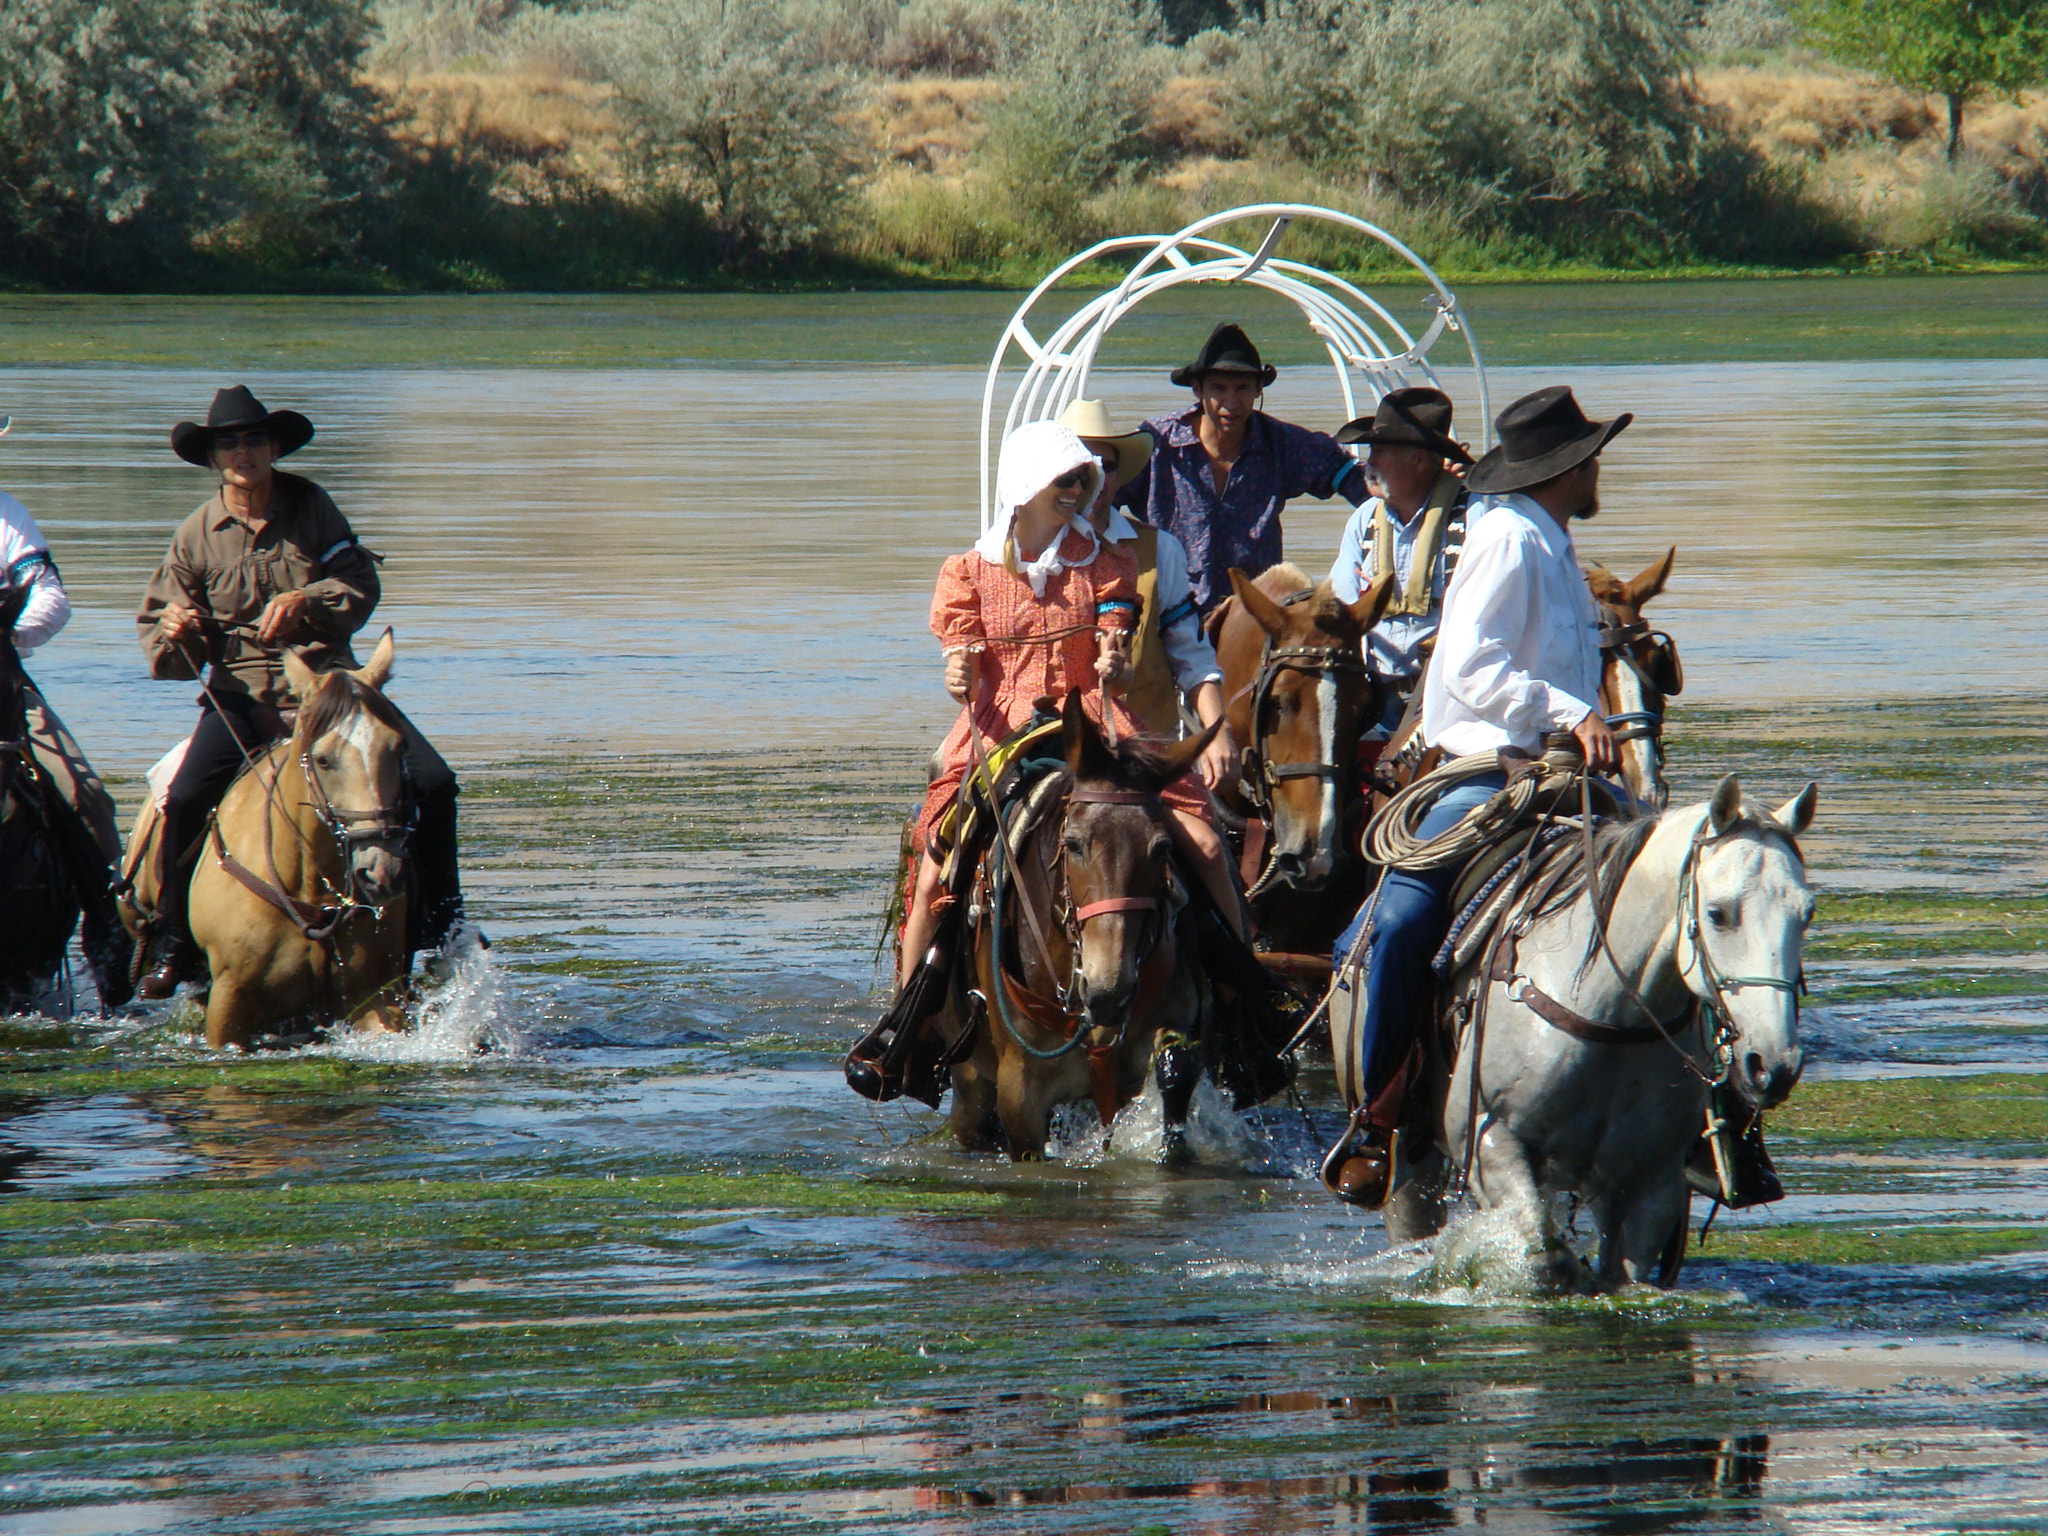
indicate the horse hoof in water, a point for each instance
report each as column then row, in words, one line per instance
column 1178, row 1070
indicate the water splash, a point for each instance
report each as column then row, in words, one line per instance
column 464, row 1016
column 1217, row 1135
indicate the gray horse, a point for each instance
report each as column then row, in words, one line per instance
column 1705, row 931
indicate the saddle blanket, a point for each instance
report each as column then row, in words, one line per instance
column 166, row 769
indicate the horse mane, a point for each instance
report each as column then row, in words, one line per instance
column 340, row 695
column 1282, row 580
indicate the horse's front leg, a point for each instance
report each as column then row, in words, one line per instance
column 1503, row 1180
column 1638, row 1230
column 1022, row 1107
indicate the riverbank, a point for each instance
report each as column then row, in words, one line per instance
column 1680, row 320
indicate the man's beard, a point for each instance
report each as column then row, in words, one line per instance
column 1590, row 510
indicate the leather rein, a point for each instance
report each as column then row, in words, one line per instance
column 1619, row 641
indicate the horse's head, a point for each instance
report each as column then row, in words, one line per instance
column 1743, row 910
column 1639, row 670
column 13, row 725
column 1118, row 859
column 351, row 747
column 1305, row 696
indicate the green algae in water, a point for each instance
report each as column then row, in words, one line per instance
column 1836, row 1243
column 1993, row 1109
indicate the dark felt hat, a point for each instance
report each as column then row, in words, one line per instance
column 1418, row 417
column 236, row 410
column 1228, row 350
column 1541, row 436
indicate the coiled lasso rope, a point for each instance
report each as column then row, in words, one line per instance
column 1394, row 839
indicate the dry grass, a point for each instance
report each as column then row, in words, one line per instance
column 1188, row 116
column 533, row 123
column 931, row 123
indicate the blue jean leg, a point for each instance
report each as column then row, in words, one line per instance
column 1410, row 914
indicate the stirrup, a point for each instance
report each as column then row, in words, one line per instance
column 1359, row 1171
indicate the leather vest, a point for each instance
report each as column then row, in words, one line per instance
column 1151, row 693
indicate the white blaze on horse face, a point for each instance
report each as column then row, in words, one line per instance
column 1326, row 729
column 1641, row 762
column 1753, row 906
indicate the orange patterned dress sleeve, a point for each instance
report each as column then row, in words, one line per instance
column 956, row 603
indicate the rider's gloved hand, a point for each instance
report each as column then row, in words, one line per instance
column 1602, row 752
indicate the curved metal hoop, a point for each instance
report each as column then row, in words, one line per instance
column 1369, row 349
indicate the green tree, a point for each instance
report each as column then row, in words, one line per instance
column 733, row 106
column 1959, row 50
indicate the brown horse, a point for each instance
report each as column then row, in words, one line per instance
column 1294, row 673
column 1639, row 671
column 1083, row 966
column 298, row 893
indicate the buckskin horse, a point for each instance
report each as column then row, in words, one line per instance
column 1083, row 965
column 1299, row 695
column 39, row 900
column 299, row 889
column 1592, row 1020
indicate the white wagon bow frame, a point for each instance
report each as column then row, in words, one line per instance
column 1370, row 350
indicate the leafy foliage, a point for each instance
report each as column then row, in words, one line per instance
column 1961, row 50
column 733, row 107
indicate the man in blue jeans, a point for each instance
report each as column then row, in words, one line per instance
column 1517, row 658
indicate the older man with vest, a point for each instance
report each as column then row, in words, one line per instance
column 267, row 563
column 1414, row 527
column 1517, row 658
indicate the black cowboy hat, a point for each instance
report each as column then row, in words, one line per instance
column 236, row 410
column 1228, row 350
column 1541, row 436
column 1419, row 417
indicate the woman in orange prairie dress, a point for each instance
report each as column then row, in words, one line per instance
column 1041, row 572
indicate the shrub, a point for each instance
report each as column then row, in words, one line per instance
column 1084, row 72
column 731, row 106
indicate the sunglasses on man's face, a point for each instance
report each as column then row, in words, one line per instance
column 235, row 442
column 1072, row 480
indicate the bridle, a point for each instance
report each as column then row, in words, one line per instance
column 1261, row 777
column 1664, row 677
column 1072, row 919
column 351, row 828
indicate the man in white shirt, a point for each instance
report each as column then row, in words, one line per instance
column 25, row 562
column 1517, row 658
column 1417, row 521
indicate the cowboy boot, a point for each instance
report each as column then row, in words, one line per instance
column 1359, row 1169
column 178, row 961
column 1752, row 1178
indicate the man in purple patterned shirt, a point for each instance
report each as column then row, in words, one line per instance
column 1223, row 469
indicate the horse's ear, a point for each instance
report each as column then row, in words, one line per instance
column 1796, row 814
column 1087, row 755
column 1367, row 610
column 1651, row 580
column 1271, row 617
column 1725, row 809
column 299, row 675
column 1212, row 626
column 1180, row 757
column 378, row 672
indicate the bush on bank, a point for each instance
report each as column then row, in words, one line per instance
column 620, row 143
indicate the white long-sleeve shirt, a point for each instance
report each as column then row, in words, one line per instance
column 1189, row 655
column 25, row 556
column 1518, row 649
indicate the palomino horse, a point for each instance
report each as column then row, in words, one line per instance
column 1080, row 961
column 1639, row 671
column 298, row 894
column 1603, row 1021
column 1299, row 696
column 38, row 899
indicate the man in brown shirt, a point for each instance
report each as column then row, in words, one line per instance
column 268, row 562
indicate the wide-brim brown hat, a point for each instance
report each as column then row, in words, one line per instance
column 1089, row 421
column 1416, row 417
column 1228, row 350
column 236, row 410
column 1541, row 436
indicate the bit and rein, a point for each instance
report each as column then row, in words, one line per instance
column 317, row 922
column 1618, row 640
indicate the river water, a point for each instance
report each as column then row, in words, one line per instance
column 669, row 623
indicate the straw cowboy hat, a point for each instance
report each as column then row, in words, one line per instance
column 1541, row 436
column 236, row 410
column 1089, row 421
column 1418, row 417
column 1228, row 350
